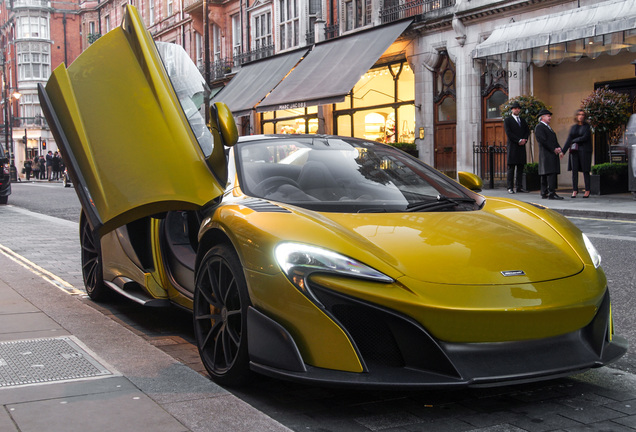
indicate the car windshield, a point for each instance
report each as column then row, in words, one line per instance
column 345, row 175
column 190, row 88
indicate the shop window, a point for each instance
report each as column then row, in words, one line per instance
column 380, row 107
column 493, row 104
column 406, row 116
column 344, row 125
column 294, row 121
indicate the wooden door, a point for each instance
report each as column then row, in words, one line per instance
column 446, row 149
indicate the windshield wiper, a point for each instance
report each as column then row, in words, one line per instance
column 442, row 201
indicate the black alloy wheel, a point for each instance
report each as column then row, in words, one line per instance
column 220, row 316
column 92, row 272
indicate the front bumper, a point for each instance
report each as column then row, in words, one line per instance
column 397, row 352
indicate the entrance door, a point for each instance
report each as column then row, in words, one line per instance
column 446, row 149
column 445, row 117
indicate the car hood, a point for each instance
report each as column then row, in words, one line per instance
column 503, row 243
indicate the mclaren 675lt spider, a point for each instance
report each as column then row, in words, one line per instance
column 323, row 259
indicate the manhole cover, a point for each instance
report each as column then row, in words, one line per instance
column 44, row 360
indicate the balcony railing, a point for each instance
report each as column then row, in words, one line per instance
column 221, row 67
column 332, row 31
column 411, row 8
column 20, row 122
column 31, row 3
column 257, row 54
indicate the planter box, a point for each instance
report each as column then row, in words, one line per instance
column 531, row 182
column 604, row 185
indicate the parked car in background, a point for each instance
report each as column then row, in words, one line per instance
column 5, row 177
column 321, row 259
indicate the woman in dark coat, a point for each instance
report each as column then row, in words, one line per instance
column 579, row 143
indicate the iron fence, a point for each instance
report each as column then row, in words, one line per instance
column 490, row 162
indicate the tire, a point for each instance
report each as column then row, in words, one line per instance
column 4, row 199
column 220, row 316
column 92, row 272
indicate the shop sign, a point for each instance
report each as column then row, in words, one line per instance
column 502, row 73
column 290, row 106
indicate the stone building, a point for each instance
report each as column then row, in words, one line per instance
column 429, row 72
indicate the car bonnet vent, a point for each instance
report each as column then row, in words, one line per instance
column 263, row 206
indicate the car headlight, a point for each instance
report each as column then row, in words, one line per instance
column 298, row 261
column 596, row 257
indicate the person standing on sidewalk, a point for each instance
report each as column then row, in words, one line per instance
column 517, row 133
column 42, row 168
column 550, row 154
column 35, row 166
column 49, row 165
column 579, row 143
column 27, row 169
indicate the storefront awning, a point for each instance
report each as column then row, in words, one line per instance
column 586, row 23
column 329, row 72
column 255, row 80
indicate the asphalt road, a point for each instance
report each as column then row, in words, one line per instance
column 306, row 408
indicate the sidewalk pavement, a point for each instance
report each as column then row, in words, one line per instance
column 64, row 366
column 614, row 206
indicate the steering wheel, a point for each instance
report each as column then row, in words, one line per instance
column 271, row 184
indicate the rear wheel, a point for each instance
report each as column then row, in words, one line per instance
column 4, row 199
column 92, row 272
column 220, row 316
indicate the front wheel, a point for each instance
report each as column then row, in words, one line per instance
column 92, row 272
column 220, row 316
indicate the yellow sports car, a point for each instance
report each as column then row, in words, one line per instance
column 323, row 259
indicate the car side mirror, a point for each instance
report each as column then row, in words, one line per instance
column 225, row 134
column 470, row 181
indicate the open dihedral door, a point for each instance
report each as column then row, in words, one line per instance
column 129, row 146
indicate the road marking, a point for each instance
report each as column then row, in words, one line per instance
column 54, row 280
column 621, row 221
column 611, row 237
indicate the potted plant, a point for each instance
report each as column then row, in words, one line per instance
column 607, row 112
column 410, row 148
column 606, row 109
column 530, row 107
column 608, row 178
column 531, row 179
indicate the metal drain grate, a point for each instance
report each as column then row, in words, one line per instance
column 45, row 360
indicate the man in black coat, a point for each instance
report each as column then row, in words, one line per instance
column 517, row 132
column 550, row 154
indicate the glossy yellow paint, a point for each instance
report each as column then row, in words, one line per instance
column 480, row 313
column 322, row 343
column 150, row 162
column 470, row 180
column 446, row 266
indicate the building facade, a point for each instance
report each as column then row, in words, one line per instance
column 430, row 72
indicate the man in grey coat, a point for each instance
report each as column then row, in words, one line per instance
column 517, row 133
column 550, row 154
